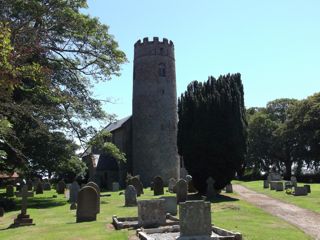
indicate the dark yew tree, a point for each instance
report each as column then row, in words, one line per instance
column 212, row 129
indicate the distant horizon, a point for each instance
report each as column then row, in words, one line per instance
column 273, row 45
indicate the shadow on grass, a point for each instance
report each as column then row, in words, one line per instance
column 219, row 198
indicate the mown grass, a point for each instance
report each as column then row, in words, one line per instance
column 54, row 220
column 311, row 202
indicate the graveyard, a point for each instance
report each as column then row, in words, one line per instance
column 54, row 220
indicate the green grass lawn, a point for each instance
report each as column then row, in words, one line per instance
column 311, row 202
column 55, row 221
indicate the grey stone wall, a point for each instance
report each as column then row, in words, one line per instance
column 154, row 120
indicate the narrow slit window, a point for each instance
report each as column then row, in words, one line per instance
column 162, row 70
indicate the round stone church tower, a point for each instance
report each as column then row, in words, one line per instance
column 154, row 111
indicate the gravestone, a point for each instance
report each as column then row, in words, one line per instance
column 191, row 188
column 60, row 187
column 130, row 196
column 288, row 185
column 265, row 184
column 10, row 190
column 151, row 213
column 275, row 176
column 39, row 188
column 115, row 186
column 67, row 193
column 158, row 186
column 294, row 181
column 87, row 204
column 23, row 218
column 229, row 188
column 308, row 187
column 96, row 187
column 195, row 220
column 1, row 211
column 279, row 186
column 272, row 185
column 151, row 186
column 170, row 204
column 135, row 181
column 211, row 192
column 181, row 190
column 46, row 186
column 172, row 183
column 300, row 191
column 74, row 191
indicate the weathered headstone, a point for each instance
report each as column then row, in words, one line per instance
column 229, row 188
column 10, row 191
column 195, row 220
column 300, row 191
column 308, row 188
column 96, row 187
column 135, row 181
column 46, row 186
column 191, row 188
column 211, row 192
column 265, row 184
column 172, row 183
column 294, row 181
column 23, row 218
column 130, row 196
column 170, row 204
column 151, row 213
column 279, row 186
column 158, row 186
column 74, row 191
column 181, row 190
column 272, row 185
column 60, row 187
column 115, row 186
column 39, row 188
column 87, row 204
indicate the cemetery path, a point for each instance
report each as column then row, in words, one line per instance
column 304, row 219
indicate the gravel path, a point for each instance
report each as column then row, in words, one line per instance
column 306, row 220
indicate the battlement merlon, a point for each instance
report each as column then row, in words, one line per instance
column 155, row 40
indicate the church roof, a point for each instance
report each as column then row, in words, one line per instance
column 118, row 124
column 107, row 163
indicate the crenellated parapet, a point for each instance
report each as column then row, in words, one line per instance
column 147, row 47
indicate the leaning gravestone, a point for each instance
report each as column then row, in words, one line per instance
column 172, row 183
column 74, row 191
column 300, row 191
column 130, row 196
column 96, row 187
column 39, row 188
column 60, row 187
column 151, row 213
column 158, row 186
column 211, row 192
column 87, row 204
column 135, row 181
column 195, row 220
column 229, row 188
column 181, row 190
column 170, row 204
column 10, row 190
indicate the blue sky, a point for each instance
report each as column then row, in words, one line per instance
column 274, row 44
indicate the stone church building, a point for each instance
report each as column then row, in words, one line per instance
column 149, row 136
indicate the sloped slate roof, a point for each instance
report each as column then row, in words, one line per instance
column 118, row 124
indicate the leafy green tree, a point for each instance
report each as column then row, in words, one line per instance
column 51, row 54
column 212, row 129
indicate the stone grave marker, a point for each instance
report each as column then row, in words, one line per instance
column 211, row 192
column 170, row 204
column 294, row 181
column 96, row 187
column 279, row 186
column 181, row 190
column 115, row 186
column 300, row 191
column 46, row 186
column 308, row 187
column 23, row 218
column 172, row 183
column 39, row 188
column 151, row 213
column 60, row 187
column 158, row 186
column 288, row 185
column 74, row 191
column 10, row 190
column 195, row 220
column 87, row 204
column 265, row 184
column 130, row 196
column 191, row 188
column 272, row 185
column 135, row 181
column 229, row 188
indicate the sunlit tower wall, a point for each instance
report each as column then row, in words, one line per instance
column 154, row 111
